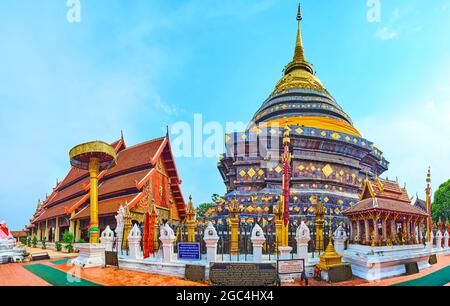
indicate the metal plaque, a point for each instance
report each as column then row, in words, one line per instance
column 433, row 259
column 341, row 273
column 243, row 274
column 189, row 251
column 111, row 259
column 292, row 266
column 195, row 273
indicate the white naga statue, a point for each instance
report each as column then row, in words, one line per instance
column 119, row 227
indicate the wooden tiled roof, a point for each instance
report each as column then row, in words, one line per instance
column 378, row 204
column 105, row 207
column 134, row 164
column 55, row 211
column 384, row 195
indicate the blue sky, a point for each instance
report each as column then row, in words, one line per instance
column 140, row 65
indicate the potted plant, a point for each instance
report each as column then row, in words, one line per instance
column 34, row 242
column 44, row 245
column 68, row 239
column 29, row 241
column 58, row 246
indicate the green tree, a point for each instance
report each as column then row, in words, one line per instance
column 203, row 208
column 441, row 204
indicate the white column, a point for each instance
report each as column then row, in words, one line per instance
column 302, row 236
column 439, row 240
column 211, row 238
column 446, row 238
column 107, row 239
column 134, row 242
column 167, row 238
column 258, row 240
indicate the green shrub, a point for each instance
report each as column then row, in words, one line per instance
column 44, row 245
column 23, row 240
column 68, row 239
column 58, row 246
column 29, row 241
column 34, row 242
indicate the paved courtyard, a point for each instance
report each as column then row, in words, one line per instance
column 18, row 275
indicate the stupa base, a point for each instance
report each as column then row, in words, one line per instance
column 90, row 256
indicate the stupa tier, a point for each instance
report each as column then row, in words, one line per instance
column 330, row 157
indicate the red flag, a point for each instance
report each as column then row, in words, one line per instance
column 151, row 232
column 146, row 235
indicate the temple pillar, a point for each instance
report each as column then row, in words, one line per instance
column 38, row 234
column 393, row 230
column 46, row 231
column 77, row 230
column 234, row 222
column 384, row 229
column 367, row 230
column 408, row 231
column 72, row 227
column 351, row 230
column 358, row 230
column 375, row 229
column 57, row 230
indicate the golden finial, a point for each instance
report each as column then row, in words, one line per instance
column 299, row 14
column 429, row 175
column 299, row 53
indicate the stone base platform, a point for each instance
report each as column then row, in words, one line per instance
column 90, row 256
column 9, row 252
column 375, row 263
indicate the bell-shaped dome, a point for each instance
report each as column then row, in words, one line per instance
column 301, row 99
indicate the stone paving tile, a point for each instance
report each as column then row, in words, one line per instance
column 443, row 261
column 114, row 277
column 16, row 275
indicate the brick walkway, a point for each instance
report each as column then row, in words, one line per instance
column 16, row 275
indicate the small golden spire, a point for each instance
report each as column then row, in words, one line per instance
column 429, row 175
column 299, row 62
column 299, row 53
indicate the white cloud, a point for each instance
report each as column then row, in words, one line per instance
column 386, row 33
column 414, row 137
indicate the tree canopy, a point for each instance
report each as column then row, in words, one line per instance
column 203, row 208
column 441, row 204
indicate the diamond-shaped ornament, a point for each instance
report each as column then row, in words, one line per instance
column 327, row 170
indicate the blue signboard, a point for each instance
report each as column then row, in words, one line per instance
column 189, row 251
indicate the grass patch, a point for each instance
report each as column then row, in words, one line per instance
column 56, row 277
column 438, row 278
column 60, row 261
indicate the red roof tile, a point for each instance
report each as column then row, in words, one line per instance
column 57, row 210
column 105, row 207
column 136, row 156
column 370, row 204
column 122, row 182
